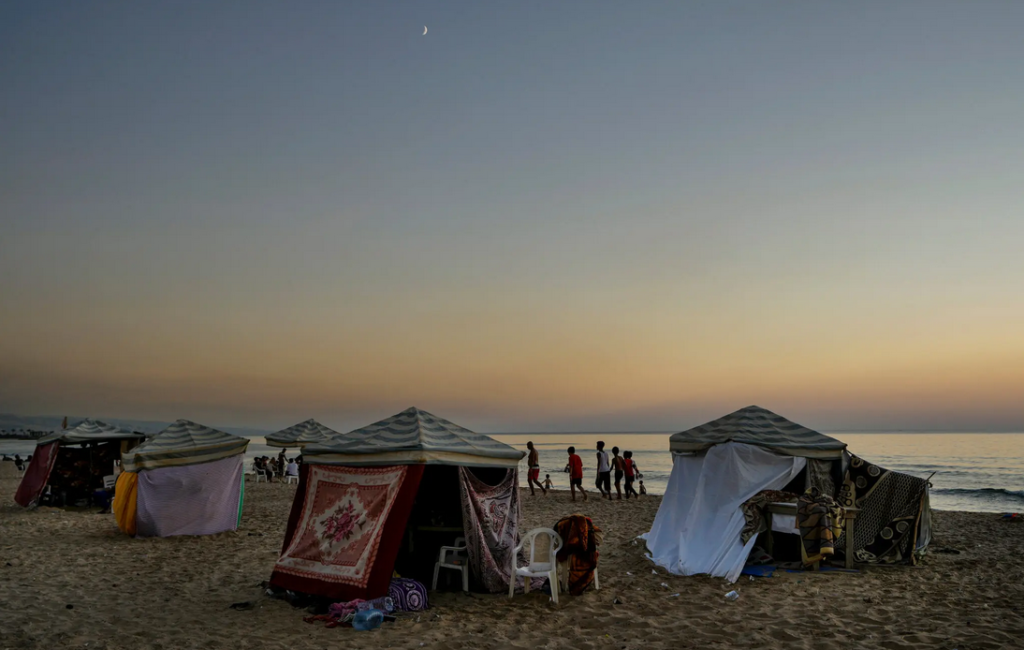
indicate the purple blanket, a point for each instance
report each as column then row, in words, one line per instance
column 190, row 500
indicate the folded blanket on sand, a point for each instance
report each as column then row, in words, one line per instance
column 580, row 539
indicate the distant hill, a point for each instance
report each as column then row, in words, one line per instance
column 53, row 422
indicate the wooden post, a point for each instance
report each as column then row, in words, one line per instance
column 851, row 516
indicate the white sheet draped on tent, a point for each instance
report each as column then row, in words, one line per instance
column 698, row 526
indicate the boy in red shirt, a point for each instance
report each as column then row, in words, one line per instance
column 575, row 470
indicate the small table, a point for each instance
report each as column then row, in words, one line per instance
column 783, row 508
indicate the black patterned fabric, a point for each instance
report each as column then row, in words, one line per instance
column 890, row 504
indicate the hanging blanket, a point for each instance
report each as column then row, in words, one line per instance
column 37, row 474
column 891, row 504
column 490, row 519
column 820, row 520
column 345, row 529
column 200, row 499
column 580, row 539
column 125, row 501
column 341, row 521
column 754, row 521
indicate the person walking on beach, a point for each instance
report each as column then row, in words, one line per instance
column 282, row 462
column 533, row 473
column 630, row 468
column 575, row 471
column 617, row 466
column 604, row 472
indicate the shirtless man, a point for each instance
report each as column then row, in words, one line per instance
column 618, row 467
column 533, row 473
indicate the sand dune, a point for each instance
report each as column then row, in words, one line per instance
column 175, row 593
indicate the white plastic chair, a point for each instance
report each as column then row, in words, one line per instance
column 260, row 476
column 453, row 557
column 109, row 481
column 291, row 478
column 542, row 561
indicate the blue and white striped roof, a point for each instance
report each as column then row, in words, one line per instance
column 301, row 434
column 183, row 443
column 410, row 438
column 89, row 430
column 754, row 425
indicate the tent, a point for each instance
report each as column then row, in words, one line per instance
column 718, row 466
column 73, row 462
column 388, row 495
column 186, row 480
column 301, row 434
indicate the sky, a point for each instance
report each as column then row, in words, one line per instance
column 536, row 217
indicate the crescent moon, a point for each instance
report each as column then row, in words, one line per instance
column 424, row 30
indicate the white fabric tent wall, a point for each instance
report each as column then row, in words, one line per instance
column 697, row 529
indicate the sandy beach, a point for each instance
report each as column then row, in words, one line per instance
column 70, row 579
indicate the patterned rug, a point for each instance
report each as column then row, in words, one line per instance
column 342, row 516
column 890, row 506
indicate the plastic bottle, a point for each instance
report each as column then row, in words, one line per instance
column 369, row 619
column 732, row 595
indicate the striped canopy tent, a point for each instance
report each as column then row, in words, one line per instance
column 760, row 427
column 186, row 480
column 359, row 513
column 74, row 462
column 89, row 430
column 301, row 434
column 413, row 437
column 184, row 443
column 716, row 468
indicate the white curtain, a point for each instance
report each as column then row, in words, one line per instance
column 697, row 529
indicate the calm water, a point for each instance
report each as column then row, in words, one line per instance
column 979, row 471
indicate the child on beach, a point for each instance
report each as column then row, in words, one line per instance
column 547, row 482
column 575, row 471
column 643, row 490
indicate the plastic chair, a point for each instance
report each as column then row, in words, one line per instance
column 291, row 478
column 453, row 557
column 542, row 561
column 260, row 476
column 109, row 481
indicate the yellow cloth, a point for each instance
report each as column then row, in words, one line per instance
column 125, row 501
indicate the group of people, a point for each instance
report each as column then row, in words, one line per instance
column 18, row 461
column 280, row 466
column 623, row 466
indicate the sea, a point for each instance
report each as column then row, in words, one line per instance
column 981, row 472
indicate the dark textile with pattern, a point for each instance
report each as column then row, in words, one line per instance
column 755, row 522
column 490, row 519
column 408, row 595
column 580, row 539
column 820, row 520
column 890, row 506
